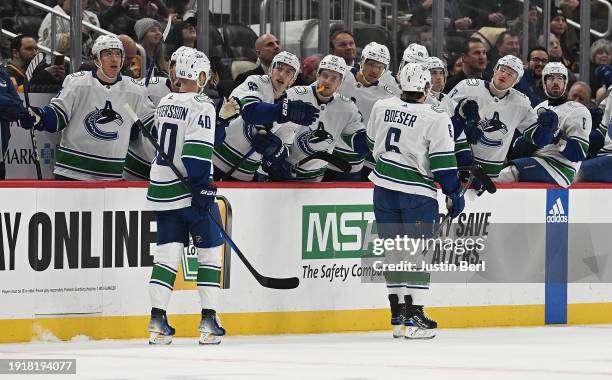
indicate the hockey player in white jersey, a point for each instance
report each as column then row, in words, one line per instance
column 141, row 152
column 263, row 106
column 89, row 113
column 338, row 120
column 362, row 86
column 558, row 162
column 599, row 168
column 186, row 125
column 413, row 149
column 414, row 53
column 494, row 110
column 439, row 74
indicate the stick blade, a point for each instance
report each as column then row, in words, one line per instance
column 484, row 179
column 279, row 283
column 38, row 58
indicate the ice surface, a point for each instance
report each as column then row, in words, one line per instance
column 568, row 352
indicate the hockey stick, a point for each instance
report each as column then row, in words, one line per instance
column 338, row 162
column 480, row 176
column 156, row 52
column 26, row 94
column 268, row 282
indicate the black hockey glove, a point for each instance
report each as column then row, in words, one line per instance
column 298, row 112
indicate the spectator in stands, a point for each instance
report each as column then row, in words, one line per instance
column 342, row 44
column 454, row 64
column 569, row 43
column 601, row 54
column 490, row 13
column 581, row 92
column 507, row 43
column 149, row 35
column 531, row 82
column 266, row 48
column 131, row 60
column 182, row 33
column 115, row 16
column 155, row 9
column 308, row 70
column 473, row 63
column 62, row 29
column 421, row 11
column 11, row 109
column 23, row 49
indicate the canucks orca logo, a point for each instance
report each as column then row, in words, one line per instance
column 102, row 117
column 318, row 140
column 494, row 131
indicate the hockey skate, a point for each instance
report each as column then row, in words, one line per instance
column 417, row 324
column 397, row 315
column 210, row 328
column 160, row 331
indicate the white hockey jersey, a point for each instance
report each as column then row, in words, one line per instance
column 186, row 125
column 237, row 143
column 411, row 142
column 141, row 152
column 364, row 98
column 338, row 120
column 575, row 122
column 448, row 105
column 603, row 127
column 500, row 117
column 95, row 128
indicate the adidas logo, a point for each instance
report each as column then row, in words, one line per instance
column 556, row 214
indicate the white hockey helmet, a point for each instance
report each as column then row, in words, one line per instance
column 414, row 53
column 554, row 68
column 415, row 77
column 191, row 63
column 376, row 52
column 177, row 53
column 436, row 63
column 106, row 42
column 288, row 59
column 512, row 62
column 334, row 63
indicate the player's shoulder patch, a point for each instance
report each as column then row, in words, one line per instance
column 263, row 78
column 138, row 83
column 78, row 74
column 201, row 98
column 388, row 89
column 344, row 98
column 436, row 108
column 299, row 90
column 472, row 82
column 153, row 80
column 573, row 104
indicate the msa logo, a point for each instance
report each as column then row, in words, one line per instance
column 337, row 231
column 557, row 213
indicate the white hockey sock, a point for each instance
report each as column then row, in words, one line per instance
column 165, row 266
column 209, row 276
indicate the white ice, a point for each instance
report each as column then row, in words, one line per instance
column 568, row 352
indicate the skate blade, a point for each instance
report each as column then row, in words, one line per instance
column 413, row 332
column 156, row 338
column 397, row 331
column 208, row 338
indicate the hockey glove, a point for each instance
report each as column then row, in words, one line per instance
column 31, row 119
column 279, row 170
column 473, row 132
column 604, row 73
column 229, row 110
column 469, row 109
column 596, row 116
column 203, row 197
column 455, row 203
column 297, row 111
column 548, row 128
column 267, row 143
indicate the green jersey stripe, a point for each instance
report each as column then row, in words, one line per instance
column 389, row 169
column 90, row 164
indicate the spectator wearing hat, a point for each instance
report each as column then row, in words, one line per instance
column 568, row 40
column 182, row 33
column 149, row 35
column 115, row 17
